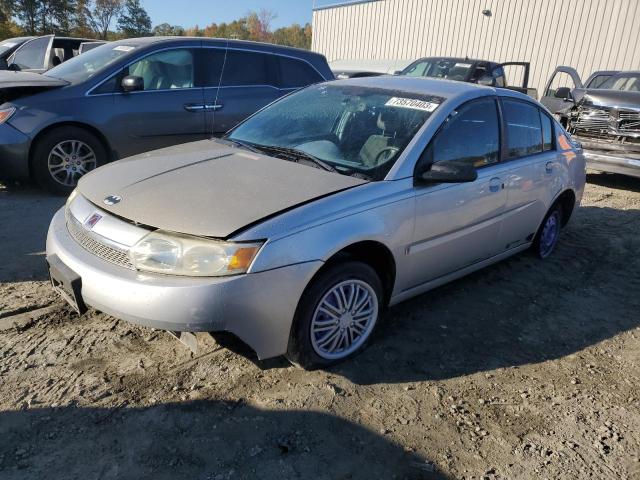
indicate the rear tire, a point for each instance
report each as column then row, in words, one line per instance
column 63, row 155
column 548, row 233
column 336, row 315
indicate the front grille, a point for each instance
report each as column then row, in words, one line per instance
column 593, row 119
column 629, row 122
column 93, row 244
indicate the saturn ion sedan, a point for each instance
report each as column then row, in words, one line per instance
column 296, row 229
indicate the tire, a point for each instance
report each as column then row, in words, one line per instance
column 548, row 233
column 61, row 152
column 363, row 291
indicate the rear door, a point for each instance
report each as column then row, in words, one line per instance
column 534, row 175
column 170, row 109
column 561, row 77
column 458, row 225
column 249, row 82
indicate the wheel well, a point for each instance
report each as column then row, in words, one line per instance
column 567, row 200
column 374, row 254
column 88, row 128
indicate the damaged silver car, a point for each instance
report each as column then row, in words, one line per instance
column 603, row 115
column 301, row 225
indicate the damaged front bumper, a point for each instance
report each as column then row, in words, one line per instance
column 607, row 155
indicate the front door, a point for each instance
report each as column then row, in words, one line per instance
column 170, row 110
column 562, row 77
column 458, row 225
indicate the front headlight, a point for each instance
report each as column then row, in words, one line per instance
column 71, row 197
column 5, row 114
column 177, row 254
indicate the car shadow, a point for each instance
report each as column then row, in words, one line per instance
column 614, row 180
column 198, row 439
column 25, row 214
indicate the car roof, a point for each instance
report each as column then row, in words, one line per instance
column 215, row 40
column 431, row 86
column 456, row 59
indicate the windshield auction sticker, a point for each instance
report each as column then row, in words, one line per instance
column 124, row 48
column 412, row 103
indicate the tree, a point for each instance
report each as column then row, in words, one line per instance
column 166, row 30
column 103, row 14
column 82, row 20
column 28, row 12
column 134, row 21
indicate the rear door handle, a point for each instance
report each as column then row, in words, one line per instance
column 194, row 107
column 495, row 184
column 213, row 106
column 548, row 167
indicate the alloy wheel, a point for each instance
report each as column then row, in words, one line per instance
column 343, row 319
column 69, row 160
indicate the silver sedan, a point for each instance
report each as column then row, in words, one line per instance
column 302, row 224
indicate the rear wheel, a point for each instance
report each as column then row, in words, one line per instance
column 336, row 315
column 547, row 237
column 64, row 155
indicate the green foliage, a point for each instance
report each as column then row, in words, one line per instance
column 134, row 21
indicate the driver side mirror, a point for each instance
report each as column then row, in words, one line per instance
column 564, row 93
column 132, row 83
column 447, row 171
column 13, row 67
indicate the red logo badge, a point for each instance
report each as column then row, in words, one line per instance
column 92, row 220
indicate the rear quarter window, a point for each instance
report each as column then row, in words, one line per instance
column 296, row 73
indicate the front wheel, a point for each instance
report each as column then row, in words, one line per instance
column 336, row 315
column 65, row 154
column 547, row 237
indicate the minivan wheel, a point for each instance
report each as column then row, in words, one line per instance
column 547, row 237
column 336, row 315
column 63, row 155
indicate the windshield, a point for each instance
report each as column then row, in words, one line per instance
column 358, row 131
column 82, row 67
column 8, row 44
column 628, row 83
column 448, row 68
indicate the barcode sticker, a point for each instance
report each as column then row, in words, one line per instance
column 412, row 103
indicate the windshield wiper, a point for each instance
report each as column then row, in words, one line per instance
column 299, row 154
column 238, row 143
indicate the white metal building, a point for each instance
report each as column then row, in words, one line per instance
column 588, row 35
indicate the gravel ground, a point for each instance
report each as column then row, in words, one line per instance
column 527, row 369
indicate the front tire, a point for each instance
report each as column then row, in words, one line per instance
column 549, row 232
column 63, row 155
column 336, row 315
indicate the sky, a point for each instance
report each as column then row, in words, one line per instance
column 188, row 13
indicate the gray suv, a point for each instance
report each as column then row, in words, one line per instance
column 136, row 95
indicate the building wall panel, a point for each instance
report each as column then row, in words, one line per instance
column 586, row 34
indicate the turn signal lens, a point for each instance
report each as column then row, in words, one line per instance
column 6, row 113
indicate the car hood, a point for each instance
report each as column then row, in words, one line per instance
column 608, row 98
column 14, row 85
column 207, row 188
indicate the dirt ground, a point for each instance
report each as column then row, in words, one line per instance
column 528, row 369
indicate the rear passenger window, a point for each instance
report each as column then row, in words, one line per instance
column 248, row 68
column 296, row 74
column 524, row 130
column 472, row 135
column 547, row 129
column 213, row 60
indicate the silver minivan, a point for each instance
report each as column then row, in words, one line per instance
column 303, row 223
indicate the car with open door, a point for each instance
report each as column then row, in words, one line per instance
column 136, row 95
column 603, row 114
column 297, row 228
column 8, row 46
column 39, row 54
column 483, row 72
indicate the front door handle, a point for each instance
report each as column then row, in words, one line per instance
column 213, row 106
column 194, row 107
column 495, row 184
column 548, row 167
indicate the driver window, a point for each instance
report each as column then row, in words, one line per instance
column 171, row 69
column 470, row 135
column 561, row 79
